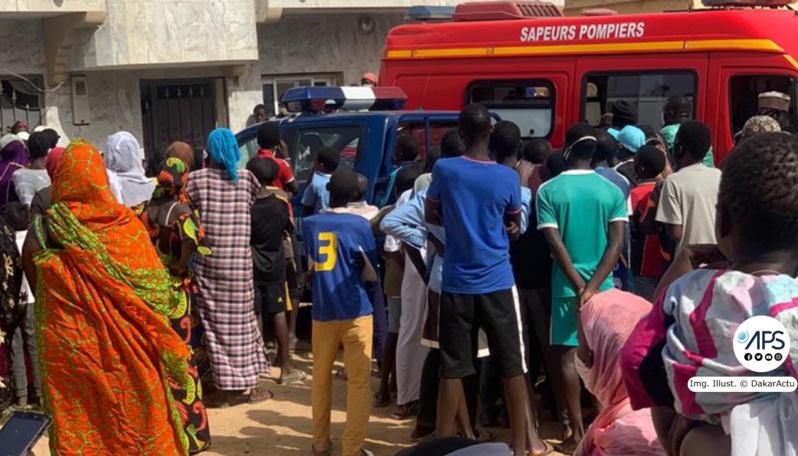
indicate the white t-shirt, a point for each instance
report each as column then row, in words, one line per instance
column 29, row 181
column 688, row 199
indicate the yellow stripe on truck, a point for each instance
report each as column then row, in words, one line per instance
column 731, row 45
column 590, row 48
column 693, row 45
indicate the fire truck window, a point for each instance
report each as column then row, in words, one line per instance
column 648, row 92
column 744, row 95
column 346, row 140
column 529, row 104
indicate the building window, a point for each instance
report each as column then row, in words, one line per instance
column 275, row 86
column 21, row 101
column 528, row 104
column 647, row 91
column 744, row 97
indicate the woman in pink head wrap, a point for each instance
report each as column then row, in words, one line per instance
column 606, row 322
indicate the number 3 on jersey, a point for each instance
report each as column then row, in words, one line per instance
column 328, row 252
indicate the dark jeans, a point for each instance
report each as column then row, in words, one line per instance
column 430, row 383
column 24, row 343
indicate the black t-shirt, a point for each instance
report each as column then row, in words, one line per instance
column 627, row 170
column 530, row 257
column 270, row 219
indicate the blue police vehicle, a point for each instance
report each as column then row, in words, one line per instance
column 362, row 123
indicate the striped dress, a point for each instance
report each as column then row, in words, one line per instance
column 225, row 301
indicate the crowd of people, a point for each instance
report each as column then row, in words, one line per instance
column 498, row 278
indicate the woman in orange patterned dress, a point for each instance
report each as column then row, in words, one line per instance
column 102, row 298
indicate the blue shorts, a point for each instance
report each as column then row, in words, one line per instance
column 563, row 321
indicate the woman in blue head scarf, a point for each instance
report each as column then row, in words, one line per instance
column 225, row 302
column 223, row 150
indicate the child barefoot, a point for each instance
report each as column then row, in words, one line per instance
column 704, row 297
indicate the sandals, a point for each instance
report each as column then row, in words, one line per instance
column 297, row 376
column 257, row 396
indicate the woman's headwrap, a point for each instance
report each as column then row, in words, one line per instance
column 183, row 151
column 757, row 125
column 8, row 139
column 123, row 157
column 223, row 149
column 607, row 320
column 172, row 179
column 51, row 162
column 13, row 156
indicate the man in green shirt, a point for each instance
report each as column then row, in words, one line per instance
column 583, row 216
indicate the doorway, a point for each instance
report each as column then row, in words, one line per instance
column 177, row 110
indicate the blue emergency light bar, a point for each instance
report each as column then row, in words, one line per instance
column 327, row 99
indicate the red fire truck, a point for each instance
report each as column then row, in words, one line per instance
column 546, row 73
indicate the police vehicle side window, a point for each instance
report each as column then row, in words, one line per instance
column 744, row 97
column 647, row 91
column 249, row 148
column 348, row 141
column 529, row 104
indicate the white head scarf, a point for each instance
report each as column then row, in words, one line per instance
column 123, row 158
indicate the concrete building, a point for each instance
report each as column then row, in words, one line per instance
column 174, row 70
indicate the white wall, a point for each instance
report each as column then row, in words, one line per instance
column 170, row 34
column 323, row 44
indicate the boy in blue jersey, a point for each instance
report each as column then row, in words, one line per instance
column 583, row 217
column 473, row 198
column 341, row 254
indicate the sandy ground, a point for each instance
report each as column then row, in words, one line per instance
column 282, row 426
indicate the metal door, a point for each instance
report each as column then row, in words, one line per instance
column 20, row 101
column 176, row 111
